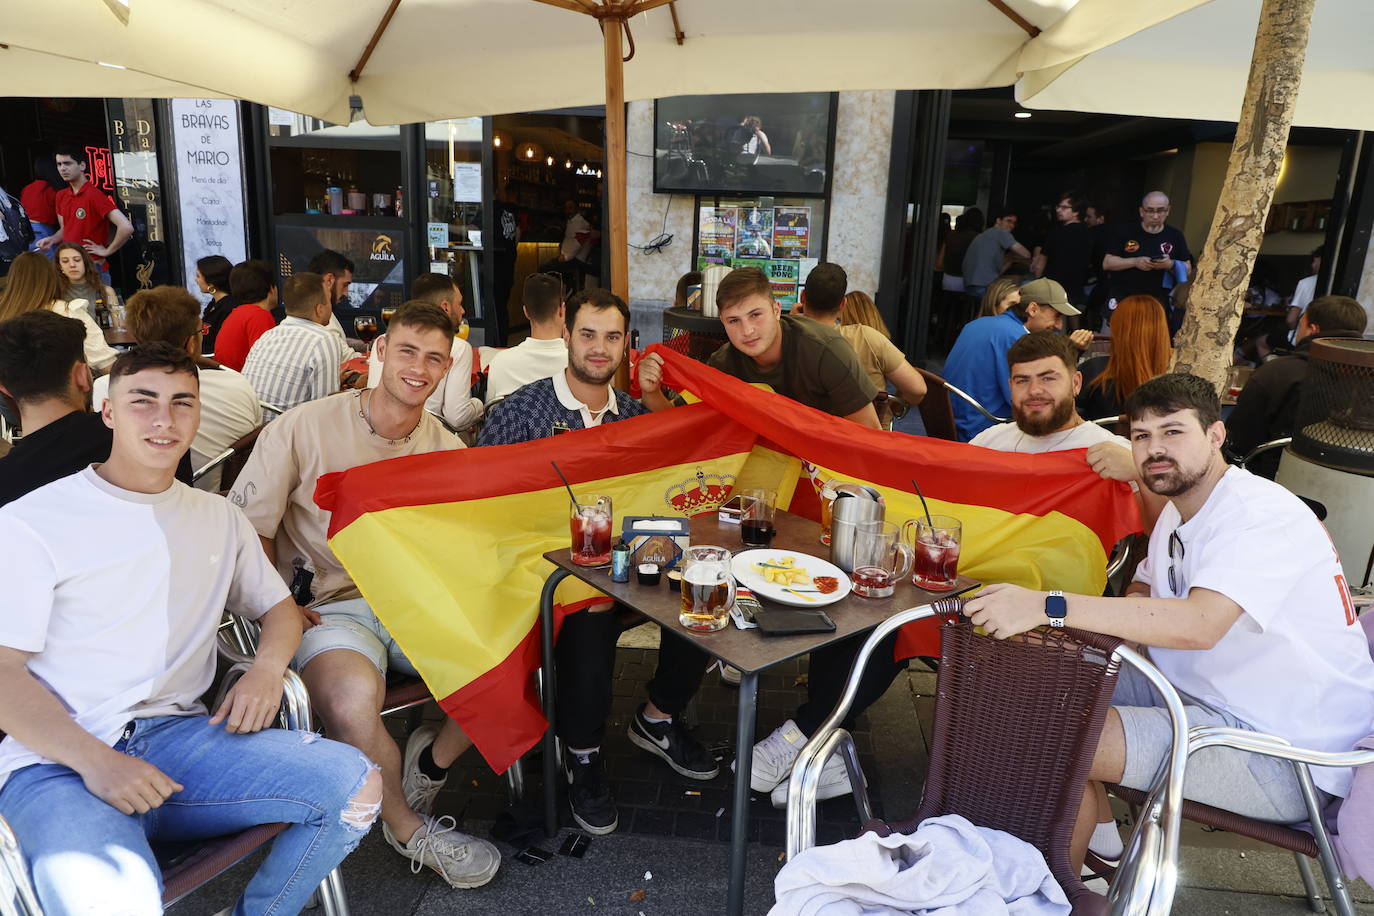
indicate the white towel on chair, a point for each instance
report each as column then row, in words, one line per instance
column 948, row 867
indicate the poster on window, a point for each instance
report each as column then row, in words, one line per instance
column 716, row 231
column 791, row 232
column 754, row 238
column 782, row 276
column 209, row 172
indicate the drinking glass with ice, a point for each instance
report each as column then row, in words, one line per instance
column 590, row 523
column 935, row 541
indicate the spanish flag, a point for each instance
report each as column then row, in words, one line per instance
column 447, row 547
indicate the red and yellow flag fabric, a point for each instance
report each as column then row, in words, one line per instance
column 447, row 547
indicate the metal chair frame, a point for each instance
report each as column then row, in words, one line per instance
column 1262, row 448
column 1133, row 891
column 972, row 401
column 17, row 896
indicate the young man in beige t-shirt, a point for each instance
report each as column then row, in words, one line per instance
column 345, row 656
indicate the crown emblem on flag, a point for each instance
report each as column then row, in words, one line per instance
column 702, row 492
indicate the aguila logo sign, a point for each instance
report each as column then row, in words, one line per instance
column 381, row 249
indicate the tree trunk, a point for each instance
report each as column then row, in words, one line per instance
column 1217, row 298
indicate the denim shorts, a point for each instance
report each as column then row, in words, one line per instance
column 351, row 625
column 1252, row 785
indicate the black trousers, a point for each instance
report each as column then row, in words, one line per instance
column 585, row 660
column 829, row 671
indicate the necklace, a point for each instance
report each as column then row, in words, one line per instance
column 365, row 413
column 1054, row 446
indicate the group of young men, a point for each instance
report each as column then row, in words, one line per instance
column 105, row 717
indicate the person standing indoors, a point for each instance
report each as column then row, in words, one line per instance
column 541, row 355
column 1066, row 257
column 212, row 279
column 986, row 255
column 106, row 651
column 1146, row 258
column 257, row 297
column 39, row 198
column 34, row 283
column 85, row 213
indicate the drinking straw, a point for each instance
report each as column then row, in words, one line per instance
column 918, row 493
column 568, row 485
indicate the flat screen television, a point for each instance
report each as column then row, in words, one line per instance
column 753, row 143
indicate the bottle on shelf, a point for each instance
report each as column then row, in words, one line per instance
column 400, row 202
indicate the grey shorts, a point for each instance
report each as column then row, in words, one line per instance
column 352, row 625
column 1248, row 784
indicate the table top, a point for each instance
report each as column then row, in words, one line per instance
column 117, row 337
column 749, row 650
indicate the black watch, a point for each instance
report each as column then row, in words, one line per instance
column 1056, row 607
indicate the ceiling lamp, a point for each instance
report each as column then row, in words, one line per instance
column 1022, row 115
column 529, row 151
column 548, row 160
column 500, row 139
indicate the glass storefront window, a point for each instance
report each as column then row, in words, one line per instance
column 335, row 169
column 453, row 207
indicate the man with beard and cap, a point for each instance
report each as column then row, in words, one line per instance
column 1241, row 583
column 596, row 324
column 1044, row 381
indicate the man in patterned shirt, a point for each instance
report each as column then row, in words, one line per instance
column 298, row 360
column 580, row 397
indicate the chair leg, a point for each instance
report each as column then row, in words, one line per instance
column 331, row 894
column 515, row 782
column 1309, row 884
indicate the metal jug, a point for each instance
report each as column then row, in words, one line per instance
column 854, row 504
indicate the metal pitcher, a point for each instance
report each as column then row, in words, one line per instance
column 854, row 504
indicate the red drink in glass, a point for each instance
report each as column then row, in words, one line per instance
column 590, row 524
column 873, row 581
column 937, row 563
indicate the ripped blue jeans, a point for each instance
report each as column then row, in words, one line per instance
column 86, row 857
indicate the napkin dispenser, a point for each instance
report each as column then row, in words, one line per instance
column 656, row 539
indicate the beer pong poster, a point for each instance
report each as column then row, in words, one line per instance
column 447, row 547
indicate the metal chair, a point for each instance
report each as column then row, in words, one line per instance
column 937, row 409
column 232, row 460
column 1262, row 448
column 993, row 758
column 194, row 864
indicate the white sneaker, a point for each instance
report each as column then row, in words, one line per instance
column 420, row 790
column 834, row 783
column 461, row 860
column 774, row 755
column 730, row 675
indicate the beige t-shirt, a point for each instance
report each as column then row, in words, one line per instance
column 276, row 488
column 878, row 357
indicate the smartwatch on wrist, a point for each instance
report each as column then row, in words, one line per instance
column 1056, row 607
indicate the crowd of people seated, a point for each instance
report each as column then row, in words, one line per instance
column 115, row 453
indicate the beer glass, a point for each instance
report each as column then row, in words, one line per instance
column 708, row 589
column 881, row 558
column 591, row 530
column 828, row 494
column 366, row 327
column 935, row 541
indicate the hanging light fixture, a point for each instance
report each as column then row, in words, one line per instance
column 548, row 160
column 501, row 140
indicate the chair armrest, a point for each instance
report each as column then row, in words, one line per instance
column 806, row 771
column 210, row 465
column 1120, row 554
column 1107, row 422
column 16, row 890
column 1272, row 746
column 1264, row 447
column 970, row 399
column 295, row 700
column 237, row 639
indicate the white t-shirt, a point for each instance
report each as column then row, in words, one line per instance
column 1296, row 664
column 1008, row 437
column 120, row 596
column 229, row 410
column 451, row 399
column 528, row 361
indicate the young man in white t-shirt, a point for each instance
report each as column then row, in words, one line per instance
column 1241, row 582
column 109, row 644
column 541, row 355
column 345, row 657
column 452, row 398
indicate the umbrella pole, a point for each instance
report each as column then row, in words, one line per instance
column 1216, row 300
column 617, row 218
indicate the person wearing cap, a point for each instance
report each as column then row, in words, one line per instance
column 977, row 362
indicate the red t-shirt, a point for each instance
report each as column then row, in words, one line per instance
column 83, row 215
column 39, row 201
column 240, row 331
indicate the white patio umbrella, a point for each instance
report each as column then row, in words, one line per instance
column 1195, row 65
column 421, row 60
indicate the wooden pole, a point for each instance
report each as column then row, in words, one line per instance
column 1217, row 298
column 617, row 219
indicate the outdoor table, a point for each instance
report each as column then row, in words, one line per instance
column 747, row 650
column 119, row 339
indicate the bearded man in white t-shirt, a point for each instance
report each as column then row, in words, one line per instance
column 108, row 644
column 1241, row 582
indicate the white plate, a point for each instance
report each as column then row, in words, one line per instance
column 743, row 567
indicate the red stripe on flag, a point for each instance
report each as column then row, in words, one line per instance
column 950, row 471
column 647, row 443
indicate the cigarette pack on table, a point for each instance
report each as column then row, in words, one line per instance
column 656, row 539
